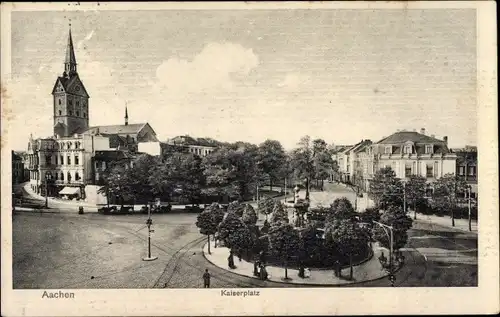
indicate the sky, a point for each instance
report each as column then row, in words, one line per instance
column 251, row 75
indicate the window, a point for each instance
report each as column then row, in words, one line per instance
column 60, row 112
column 48, row 160
column 62, row 176
column 77, row 145
column 103, row 165
column 407, row 170
column 472, row 170
column 461, row 170
column 69, row 160
column 69, row 177
column 429, row 171
column 78, row 113
column 77, row 176
column 70, row 102
column 84, row 115
column 407, row 149
column 62, row 160
column 78, row 103
column 76, row 160
column 56, row 161
column 388, row 150
column 70, row 113
column 56, row 176
column 59, row 101
column 428, row 149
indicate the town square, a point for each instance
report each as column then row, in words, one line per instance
column 248, row 159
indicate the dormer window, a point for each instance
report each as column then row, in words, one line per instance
column 428, row 149
column 388, row 150
column 407, row 149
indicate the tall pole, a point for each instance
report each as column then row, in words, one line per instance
column 46, row 192
column 285, row 188
column 469, row 205
column 149, row 222
column 391, row 261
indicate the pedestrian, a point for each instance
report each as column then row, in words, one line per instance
column 206, row 279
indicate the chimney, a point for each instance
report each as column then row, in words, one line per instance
column 433, row 136
column 422, row 131
column 445, row 139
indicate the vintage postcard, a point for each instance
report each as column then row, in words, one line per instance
column 263, row 158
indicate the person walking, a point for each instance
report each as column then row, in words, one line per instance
column 206, row 279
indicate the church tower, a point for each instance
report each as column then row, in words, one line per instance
column 71, row 100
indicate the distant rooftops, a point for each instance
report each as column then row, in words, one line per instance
column 187, row 140
column 117, row 129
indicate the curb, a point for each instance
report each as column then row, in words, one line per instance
column 474, row 232
column 300, row 284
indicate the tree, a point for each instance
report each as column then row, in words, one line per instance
column 249, row 216
column 117, row 183
column 385, row 189
column 206, row 222
column 240, row 239
column 415, row 191
column 284, row 241
column 446, row 191
column 266, row 206
column 322, row 161
column 356, row 185
column 272, row 157
column 302, row 161
column 230, row 224
column 310, row 245
column 139, row 177
column 279, row 214
column 340, row 209
column 394, row 216
column 220, row 175
column 236, row 207
column 348, row 238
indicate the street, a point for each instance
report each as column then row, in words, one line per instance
column 67, row 250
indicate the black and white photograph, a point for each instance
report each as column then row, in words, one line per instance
column 246, row 150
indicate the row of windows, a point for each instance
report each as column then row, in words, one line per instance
column 60, row 160
column 77, row 113
column 70, row 102
column 68, row 145
column 60, row 176
column 471, row 171
column 408, row 149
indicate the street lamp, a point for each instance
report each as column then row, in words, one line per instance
column 469, row 187
column 48, row 177
column 391, row 238
column 149, row 223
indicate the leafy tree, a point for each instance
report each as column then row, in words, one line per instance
column 322, row 161
column 216, row 212
column 385, row 189
column 415, row 191
column 236, row 207
column 284, row 241
column 279, row 214
column 230, row 224
column 205, row 221
column 394, row 216
column 139, row 176
column 241, row 239
column 310, row 245
column 446, row 192
column 117, row 183
column 341, row 208
column 369, row 216
column 249, row 216
column 302, row 161
column 348, row 238
column 266, row 206
column 272, row 158
column 220, row 175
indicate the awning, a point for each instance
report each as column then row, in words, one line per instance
column 69, row 191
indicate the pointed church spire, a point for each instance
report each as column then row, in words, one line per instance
column 126, row 116
column 70, row 61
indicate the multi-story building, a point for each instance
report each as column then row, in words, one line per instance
column 467, row 166
column 412, row 153
column 198, row 146
column 64, row 163
column 350, row 160
column 17, row 168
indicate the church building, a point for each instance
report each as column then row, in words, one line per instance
column 64, row 164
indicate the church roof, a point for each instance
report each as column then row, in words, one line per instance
column 69, row 85
column 117, row 129
column 70, row 52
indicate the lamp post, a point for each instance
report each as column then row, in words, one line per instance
column 391, row 239
column 404, row 197
column 469, row 206
column 149, row 223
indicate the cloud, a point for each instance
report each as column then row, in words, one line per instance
column 213, row 68
column 294, row 80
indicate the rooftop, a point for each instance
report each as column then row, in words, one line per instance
column 117, row 129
